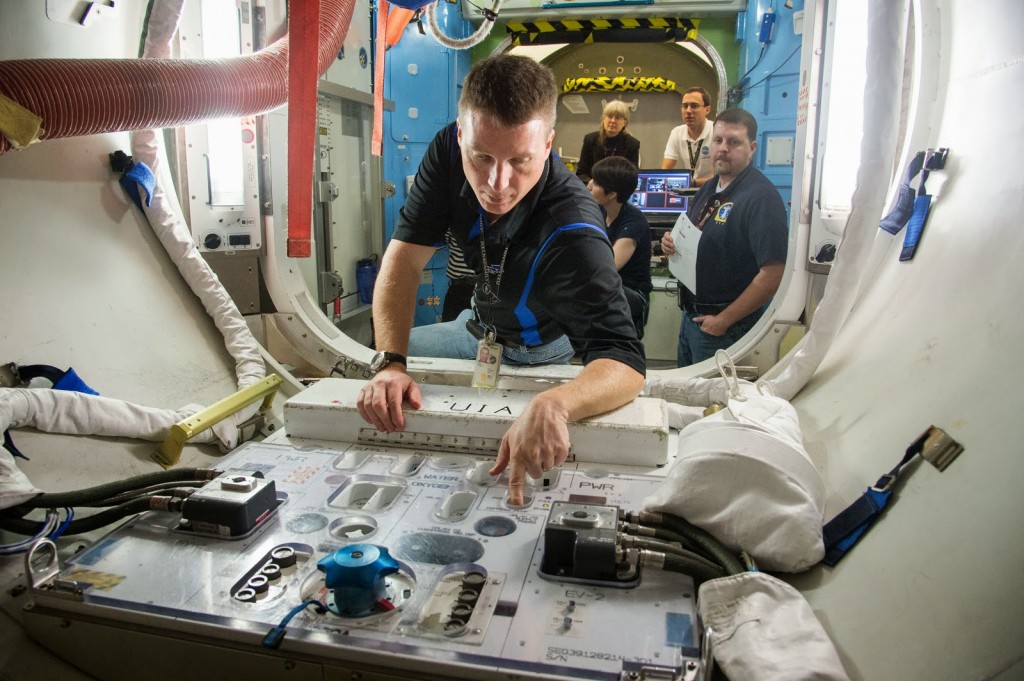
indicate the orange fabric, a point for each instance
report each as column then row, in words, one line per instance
column 304, row 34
column 398, row 19
column 376, row 143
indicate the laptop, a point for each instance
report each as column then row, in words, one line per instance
column 661, row 195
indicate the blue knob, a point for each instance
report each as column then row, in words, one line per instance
column 356, row 576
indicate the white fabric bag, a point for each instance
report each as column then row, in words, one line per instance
column 743, row 475
column 762, row 629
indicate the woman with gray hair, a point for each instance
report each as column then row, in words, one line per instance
column 610, row 140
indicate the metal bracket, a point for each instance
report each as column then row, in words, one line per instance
column 346, row 367
column 935, row 159
column 41, row 565
column 938, row 448
column 10, row 377
column 330, row 286
column 251, row 427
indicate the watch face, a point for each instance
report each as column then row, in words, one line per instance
column 377, row 363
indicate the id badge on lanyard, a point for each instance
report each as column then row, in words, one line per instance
column 488, row 362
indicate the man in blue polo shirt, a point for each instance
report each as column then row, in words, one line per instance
column 546, row 285
column 741, row 254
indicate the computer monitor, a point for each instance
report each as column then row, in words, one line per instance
column 661, row 195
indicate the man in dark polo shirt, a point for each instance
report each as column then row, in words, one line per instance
column 741, row 254
column 546, row 286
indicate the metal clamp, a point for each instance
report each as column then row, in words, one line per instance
column 935, row 159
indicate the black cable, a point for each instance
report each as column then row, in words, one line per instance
column 180, row 489
column 699, row 571
column 709, row 545
column 772, row 73
column 78, row 526
column 112, row 489
column 739, row 82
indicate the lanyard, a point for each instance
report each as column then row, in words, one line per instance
column 694, row 153
column 491, row 292
column 709, row 209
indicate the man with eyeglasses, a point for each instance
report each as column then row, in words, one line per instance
column 741, row 254
column 689, row 145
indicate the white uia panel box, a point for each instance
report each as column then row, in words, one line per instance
column 461, row 419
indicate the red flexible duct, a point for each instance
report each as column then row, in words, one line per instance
column 92, row 96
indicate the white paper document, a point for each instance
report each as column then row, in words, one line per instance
column 683, row 264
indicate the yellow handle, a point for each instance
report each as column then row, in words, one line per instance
column 169, row 451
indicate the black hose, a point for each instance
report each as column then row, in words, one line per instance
column 698, row 570
column 709, row 545
column 181, row 489
column 671, row 537
column 111, row 489
column 86, row 524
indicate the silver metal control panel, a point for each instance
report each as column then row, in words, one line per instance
column 459, row 593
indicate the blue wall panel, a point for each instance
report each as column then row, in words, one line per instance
column 422, row 79
column 769, row 90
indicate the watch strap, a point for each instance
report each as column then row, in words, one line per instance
column 390, row 357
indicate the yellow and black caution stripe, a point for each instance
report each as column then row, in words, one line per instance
column 619, row 84
column 643, row 29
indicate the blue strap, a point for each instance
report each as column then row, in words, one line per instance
column 138, row 175
column 922, row 204
column 72, row 381
column 847, row 528
column 61, row 380
column 897, row 218
column 911, row 207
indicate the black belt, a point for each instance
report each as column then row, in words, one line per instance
column 701, row 309
column 476, row 329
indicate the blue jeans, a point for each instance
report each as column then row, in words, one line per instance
column 696, row 346
column 454, row 341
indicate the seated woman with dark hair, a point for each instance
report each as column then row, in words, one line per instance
column 611, row 186
column 611, row 140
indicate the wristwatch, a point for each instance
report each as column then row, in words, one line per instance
column 382, row 359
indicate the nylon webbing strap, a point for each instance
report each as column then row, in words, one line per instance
column 897, row 218
column 847, row 528
column 138, row 175
column 911, row 208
